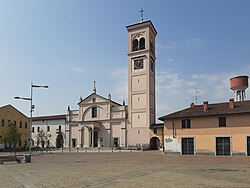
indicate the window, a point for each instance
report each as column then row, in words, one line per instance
column 142, row 43
column 48, row 128
column 135, row 45
column 186, row 123
column 21, row 124
column 20, row 143
column 2, row 123
column 38, row 129
column 15, row 123
column 60, row 128
column 152, row 65
column 155, row 131
column 222, row 122
column 94, row 112
column 138, row 45
column 26, row 125
column 33, row 129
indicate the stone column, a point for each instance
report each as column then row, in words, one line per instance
column 92, row 137
column 83, row 136
column 80, row 136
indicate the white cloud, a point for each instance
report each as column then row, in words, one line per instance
column 77, row 69
column 188, row 43
column 168, row 46
column 194, row 42
column 120, row 91
column 171, row 60
column 176, row 91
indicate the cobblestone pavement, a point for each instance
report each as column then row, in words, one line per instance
column 126, row 169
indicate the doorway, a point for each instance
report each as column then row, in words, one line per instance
column 154, row 143
column 73, row 142
column 59, row 140
column 248, row 146
column 95, row 139
column 187, row 145
column 116, row 142
column 223, row 146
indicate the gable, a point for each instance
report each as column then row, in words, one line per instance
column 93, row 98
column 9, row 111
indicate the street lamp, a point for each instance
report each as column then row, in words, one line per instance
column 31, row 110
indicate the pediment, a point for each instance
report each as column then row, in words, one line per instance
column 93, row 98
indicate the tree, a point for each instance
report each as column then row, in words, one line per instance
column 12, row 136
column 41, row 137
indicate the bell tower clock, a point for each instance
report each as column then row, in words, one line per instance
column 141, row 81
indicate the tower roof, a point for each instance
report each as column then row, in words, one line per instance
column 142, row 24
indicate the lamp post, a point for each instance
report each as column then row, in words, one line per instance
column 31, row 110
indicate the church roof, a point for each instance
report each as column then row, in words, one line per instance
column 241, row 107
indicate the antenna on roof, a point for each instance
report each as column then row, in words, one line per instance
column 196, row 97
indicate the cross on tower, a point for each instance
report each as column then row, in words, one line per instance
column 94, row 90
column 141, row 12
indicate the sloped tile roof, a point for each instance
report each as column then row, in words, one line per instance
column 156, row 125
column 213, row 109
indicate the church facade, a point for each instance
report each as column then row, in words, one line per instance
column 100, row 121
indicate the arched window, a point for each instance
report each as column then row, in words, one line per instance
column 142, row 43
column 135, row 45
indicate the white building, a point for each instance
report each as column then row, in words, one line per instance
column 53, row 127
column 98, row 122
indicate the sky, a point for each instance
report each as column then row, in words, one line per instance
column 67, row 45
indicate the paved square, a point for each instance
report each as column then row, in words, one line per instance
column 126, row 169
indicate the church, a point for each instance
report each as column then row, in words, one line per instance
column 101, row 122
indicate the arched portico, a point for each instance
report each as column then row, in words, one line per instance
column 89, row 135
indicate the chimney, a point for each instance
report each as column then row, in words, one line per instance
column 192, row 105
column 205, row 106
column 231, row 103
